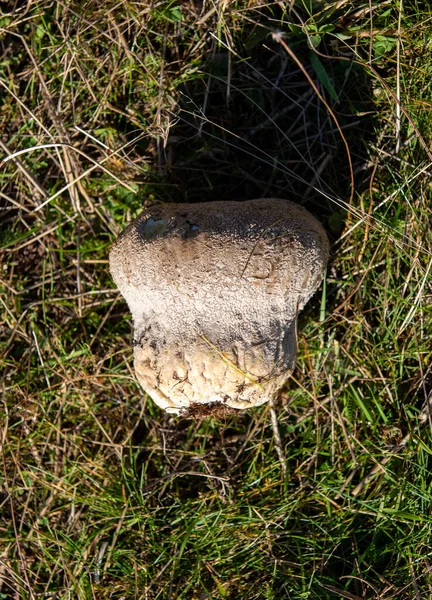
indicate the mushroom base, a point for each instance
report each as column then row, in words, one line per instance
column 181, row 378
column 201, row 411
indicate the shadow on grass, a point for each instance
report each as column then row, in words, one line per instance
column 253, row 127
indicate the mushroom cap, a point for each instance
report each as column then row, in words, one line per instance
column 215, row 289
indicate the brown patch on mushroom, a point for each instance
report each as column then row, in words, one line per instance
column 215, row 290
column 217, row 410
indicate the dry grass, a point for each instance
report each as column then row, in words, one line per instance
column 108, row 106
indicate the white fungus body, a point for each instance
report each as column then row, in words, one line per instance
column 215, row 290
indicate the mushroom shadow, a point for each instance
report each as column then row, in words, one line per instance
column 253, row 126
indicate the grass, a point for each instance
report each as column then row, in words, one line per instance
column 101, row 494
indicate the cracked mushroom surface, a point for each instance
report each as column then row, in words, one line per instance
column 214, row 289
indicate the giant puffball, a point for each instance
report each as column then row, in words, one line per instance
column 214, row 289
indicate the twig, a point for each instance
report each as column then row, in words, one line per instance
column 398, row 91
column 40, row 358
column 277, row 437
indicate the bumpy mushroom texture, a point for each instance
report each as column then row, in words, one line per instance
column 215, row 289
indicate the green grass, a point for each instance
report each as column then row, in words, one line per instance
column 101, row 494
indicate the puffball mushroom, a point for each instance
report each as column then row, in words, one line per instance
column 215, row 289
